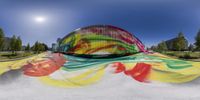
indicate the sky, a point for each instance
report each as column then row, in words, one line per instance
column 150, row 20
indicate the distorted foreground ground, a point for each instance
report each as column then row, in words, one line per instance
column 16, row 86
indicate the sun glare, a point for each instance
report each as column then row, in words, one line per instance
column 40, row 19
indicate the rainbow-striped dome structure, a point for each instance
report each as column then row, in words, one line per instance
column 101, row 40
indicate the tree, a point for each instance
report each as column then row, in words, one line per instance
column 154, row 48
column 45, row 47
column 180, row 43
column 191, row 47
column 39, row 47
column 1, row 39
column 13, row 44
column 197, row 41
column 36, row 47
column 18, row 44
column 27, row 47
column 162, row 46
column 176, row 45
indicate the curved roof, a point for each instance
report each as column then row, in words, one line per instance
column 100, row 39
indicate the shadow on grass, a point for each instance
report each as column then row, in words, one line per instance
column 15, row 55
column 9, row 55
column 184, row 55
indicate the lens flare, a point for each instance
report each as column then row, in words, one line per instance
column 40, row 19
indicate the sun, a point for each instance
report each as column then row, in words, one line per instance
column 40, row 19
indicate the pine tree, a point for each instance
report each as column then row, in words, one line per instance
column 191, row 47
column 27, row 47
column 36, row 47
column 197, row 42
column 13, row 44
column 18, row 44
column 176, row 45
column 179, row 43
column 1, row 39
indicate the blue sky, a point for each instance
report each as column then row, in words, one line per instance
column 150, row 20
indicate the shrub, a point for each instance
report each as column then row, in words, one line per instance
column 187, row 56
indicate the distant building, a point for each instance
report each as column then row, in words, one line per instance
column 55, row 45
column 23, row 47
column 170, row 42
column 58, row 40
column 6, row 44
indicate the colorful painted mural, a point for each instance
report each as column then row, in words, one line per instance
column 102, row 39
column 78, row 71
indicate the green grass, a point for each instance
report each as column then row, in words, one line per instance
column 10, row 55
column 186, row 55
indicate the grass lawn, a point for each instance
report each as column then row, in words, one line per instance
column 186, row 55
column 9, row 56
